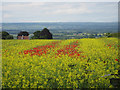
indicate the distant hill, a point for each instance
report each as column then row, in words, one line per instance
column 87, row 27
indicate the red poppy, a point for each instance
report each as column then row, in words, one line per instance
column 116, row 59
column 78, row 54
column 110, row 47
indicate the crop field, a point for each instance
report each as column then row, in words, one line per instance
column 73, row 63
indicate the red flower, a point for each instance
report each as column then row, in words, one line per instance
column 116, row 59
column 110, row 47
column 34, row 48
column 75, row 51
column 26, row 52
column 45, row 52
column 69, row 54
column 78, row 54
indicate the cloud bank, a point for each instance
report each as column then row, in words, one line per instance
column 59, row 12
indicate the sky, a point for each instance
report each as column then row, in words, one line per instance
column 60, row 0
column 59, row 12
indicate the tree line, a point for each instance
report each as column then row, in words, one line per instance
column 44, row 34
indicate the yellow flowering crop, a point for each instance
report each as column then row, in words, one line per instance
column 73, row 63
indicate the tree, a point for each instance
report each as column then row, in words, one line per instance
column 9, row 37
column 6, row 35
column 44, row 34
column 24, row 33
column 0, row 35
column 36, row 35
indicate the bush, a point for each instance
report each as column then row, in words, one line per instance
column 44, row 34
column 6, row 35
column 24, row 33
column 9, row 37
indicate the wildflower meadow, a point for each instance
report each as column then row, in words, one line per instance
column 72, row 63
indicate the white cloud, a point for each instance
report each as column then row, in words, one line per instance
column 0, row 12
column 20, row 6
column 61, row 0
column 45, row 8
column 69, row 9
column 7, row 16
column 54, row 11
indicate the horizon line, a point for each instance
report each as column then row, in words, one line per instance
column 61, row 22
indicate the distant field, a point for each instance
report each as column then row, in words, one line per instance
column 57, row 27
column 73, row 63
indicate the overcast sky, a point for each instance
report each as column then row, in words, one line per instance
column 59, row 12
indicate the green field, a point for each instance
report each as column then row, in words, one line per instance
column 72, row 63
